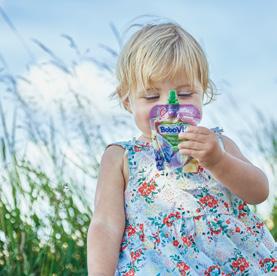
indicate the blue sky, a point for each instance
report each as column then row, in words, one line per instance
column 239, row 38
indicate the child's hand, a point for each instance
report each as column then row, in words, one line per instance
column 201, row 144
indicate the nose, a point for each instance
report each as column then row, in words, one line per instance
column 164, row 98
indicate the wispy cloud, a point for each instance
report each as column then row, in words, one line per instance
column 48, row 84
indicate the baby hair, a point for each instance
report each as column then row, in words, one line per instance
column 159, row 52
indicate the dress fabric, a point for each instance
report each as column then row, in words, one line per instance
column 180, row 223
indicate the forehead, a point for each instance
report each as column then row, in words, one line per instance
column 177, row 82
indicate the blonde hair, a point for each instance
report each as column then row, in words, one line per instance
column 158, row 52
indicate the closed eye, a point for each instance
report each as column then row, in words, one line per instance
column 151, row 98
column 156, row 97
column 184, row 95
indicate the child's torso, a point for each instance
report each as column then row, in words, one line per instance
column 170, row 214
column 152, row 191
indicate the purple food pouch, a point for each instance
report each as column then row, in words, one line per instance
column 166, row 122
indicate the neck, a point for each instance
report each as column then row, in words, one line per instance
column 144, row 138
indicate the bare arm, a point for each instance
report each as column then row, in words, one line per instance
column 229, row 167
column 107, row 226
column 246, row 180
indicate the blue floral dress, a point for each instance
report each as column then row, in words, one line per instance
column 181, row 223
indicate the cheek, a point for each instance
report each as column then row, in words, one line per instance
column 197, row 101
column 143, row 114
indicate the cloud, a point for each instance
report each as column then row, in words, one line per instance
column 47, row 84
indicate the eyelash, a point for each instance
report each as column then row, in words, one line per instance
column 155, row 97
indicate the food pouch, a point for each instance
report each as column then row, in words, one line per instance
column 166, row 122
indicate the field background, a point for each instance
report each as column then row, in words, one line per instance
column 57, row 64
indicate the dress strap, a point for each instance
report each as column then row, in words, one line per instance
column 129, row 152
column 218, row 131
column 124, row 144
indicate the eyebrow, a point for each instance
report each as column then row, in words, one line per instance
column 178, row 87
column 183, row 85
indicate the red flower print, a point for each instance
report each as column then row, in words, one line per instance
column 259, row 224
column 141, row 232
column 135, row 255
column 175, row 243
column 241, row 206
column 168, row 221
column 131, row 272
column 226, row 205
column 131, row 230
column 216, row 232
column 212, row 270
column 242, row 215
column 137, row 148
column 228, row 221
column 152, row 187
column 156, row 237
column 209, row 200
column 183, row 267
column 240, row 263
column 186, row 241
column 268, row 264
column 243, row 209
column 146, row 189
column 237, row 229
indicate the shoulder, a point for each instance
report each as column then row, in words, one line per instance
column 231, row 147
column 110, row 180
column 113, row 154
column 112, row 160
column 114, row 164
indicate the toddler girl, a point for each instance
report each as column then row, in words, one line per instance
column 172, row 222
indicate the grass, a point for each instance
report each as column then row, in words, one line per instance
column 44, row 209
column 43, row 230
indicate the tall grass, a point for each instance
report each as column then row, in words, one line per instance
column 263, row 132
column 45, row 208
column 43, row 230
column 44, row 216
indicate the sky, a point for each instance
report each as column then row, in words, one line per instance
column 238, row 37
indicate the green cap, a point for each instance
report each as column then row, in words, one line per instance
column 172, row 97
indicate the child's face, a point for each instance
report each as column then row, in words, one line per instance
column 141, row 101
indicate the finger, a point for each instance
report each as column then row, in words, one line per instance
column 190, row 152
column 191, row 145
column 198, row 129
column 201, row 138
column 196, row 154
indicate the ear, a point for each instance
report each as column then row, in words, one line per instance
column 127, row 104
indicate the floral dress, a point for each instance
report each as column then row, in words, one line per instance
column 181, row 223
